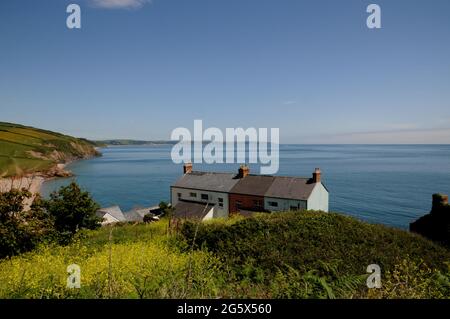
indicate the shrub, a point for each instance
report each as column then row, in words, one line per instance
column 314, row 254
column 72, row 210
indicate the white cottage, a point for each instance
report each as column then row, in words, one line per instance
column 297, row 193
column 206, row 195
column 202, row 194
column 111, row 215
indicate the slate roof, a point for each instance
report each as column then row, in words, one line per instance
column 255, row 185
column 290, row 187
column 114, row 211
column 286, row 187
column 133, row 216
column 138, row 214
column 209, row 181
column 187, row 209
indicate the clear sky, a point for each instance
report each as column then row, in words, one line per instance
column 138, row 69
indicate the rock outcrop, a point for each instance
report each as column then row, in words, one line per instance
column 435, row 225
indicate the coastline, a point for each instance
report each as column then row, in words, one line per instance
column 33, row 182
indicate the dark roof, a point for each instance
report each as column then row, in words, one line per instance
column 256, row 185
column 297, row 188
column 133, row 216
column 210, row 181
column 291, row 187
column 138, row 214
column 186, row 209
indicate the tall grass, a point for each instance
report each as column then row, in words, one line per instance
column 291, row 255
column 143, row 267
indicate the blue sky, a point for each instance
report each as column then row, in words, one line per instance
column 138, row 69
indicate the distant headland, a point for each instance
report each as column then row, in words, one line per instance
column 29, row 156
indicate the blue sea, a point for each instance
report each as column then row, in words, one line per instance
column 385, row 184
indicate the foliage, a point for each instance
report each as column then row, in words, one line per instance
column 234, row 258
column 166, row 209
column 413, row 280
column 14, row 234
column 130, row 265
column 72, row 209
column 311, row 254
column 55, row 220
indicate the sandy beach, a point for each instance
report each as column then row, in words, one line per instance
column 32, row 183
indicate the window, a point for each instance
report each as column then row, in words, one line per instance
column 220, row 202
column 257, row 203
column 193, row 194
column 179, row 195
column 205, row 196
column 238, row 204
column 273, row 204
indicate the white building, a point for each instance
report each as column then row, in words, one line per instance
column 297, row 193
column 206, row 195
column 111, row 215
column 202, row 194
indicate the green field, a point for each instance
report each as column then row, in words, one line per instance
column 282, row 255
column 26, row 149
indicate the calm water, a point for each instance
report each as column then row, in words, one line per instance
column 388, row 184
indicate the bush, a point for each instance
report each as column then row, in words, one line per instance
column 72, row 210
column 15, row 235
column 311, row 254
column 56, row 219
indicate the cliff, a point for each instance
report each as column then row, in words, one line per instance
column 26, row 151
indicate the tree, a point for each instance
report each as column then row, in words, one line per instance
column 40, row 222
column 166, row 209
column 163, row 206
column 57, row 219
column 14, row 235
column 72, row 210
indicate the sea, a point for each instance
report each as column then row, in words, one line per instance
column 383, row 184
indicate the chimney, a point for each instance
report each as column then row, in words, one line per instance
column 244, row 170
column 317, row 175
column 187, row 168
column 439, row 200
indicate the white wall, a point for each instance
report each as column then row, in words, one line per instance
column 108, row 219
column 318, row 200
column 209, row 215
column 213, row 198
column 283, row 204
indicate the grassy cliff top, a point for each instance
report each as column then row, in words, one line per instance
column 283, row 255
column 25, row 149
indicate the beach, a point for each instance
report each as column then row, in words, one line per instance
column 32, row 183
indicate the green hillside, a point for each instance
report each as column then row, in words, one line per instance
column 283, row 255
column 26, row 149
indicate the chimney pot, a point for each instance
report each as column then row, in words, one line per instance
column 244, row 170
column 187, row 168
column 317, row 175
